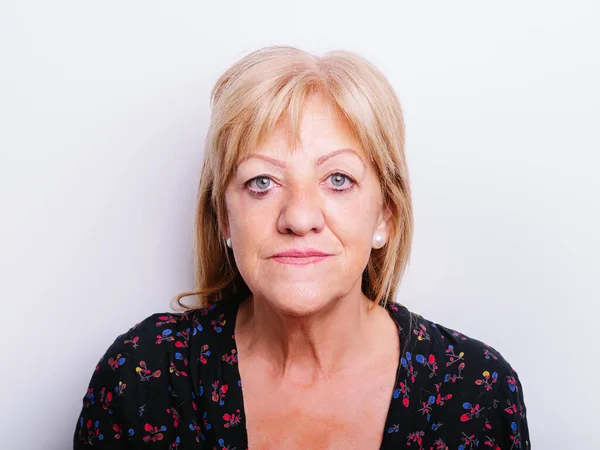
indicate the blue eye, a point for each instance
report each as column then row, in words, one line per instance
column 338, row 178
column 262, row 182
column 341, row 179
column 260, row 186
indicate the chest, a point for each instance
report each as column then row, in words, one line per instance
column 344, row 414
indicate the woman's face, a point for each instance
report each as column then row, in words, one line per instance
column 324, row 196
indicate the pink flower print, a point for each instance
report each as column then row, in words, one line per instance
column 452, row 359
column 459, row 335
column 468, row 442
column 407, row 363
column 198, row 428
column 175, row 445
column 512, row 384
column 175, row 415
column 488, row 380
column 224, row 446
column 173, row 369
column 118, row 429
column 230, row 358
column 179, row 357
column 120, row 388
column 165, row 336
column 232, row 419
column 441, row 399
column 421, row 333
column 204, row 352
column 440, row 445
column 219, row 323
column 430, row 363
column 116, row 362
column 145, row 373
column 106, row 399
column 452, row 356
column 474, row 411
column 133, row 341
column 218, row 393
column 93, row 431
column 205, row 311
column 404, row 390
column 491, row 442
column 489, row 355
column 162, row 320
column 154, row 433
column 415, row 437
column 516, row 436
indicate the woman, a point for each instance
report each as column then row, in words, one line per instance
column 303, row 231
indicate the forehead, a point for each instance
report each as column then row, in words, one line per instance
column 320, row 129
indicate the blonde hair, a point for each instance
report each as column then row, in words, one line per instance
column 271, row 85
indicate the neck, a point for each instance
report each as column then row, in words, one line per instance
column 308, row 348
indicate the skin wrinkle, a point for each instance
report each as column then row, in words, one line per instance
column 308, row 332
column 319, row 161
column 323, row 369
column 309, row 215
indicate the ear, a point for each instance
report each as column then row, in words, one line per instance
column 384, row 222
column 226, row 233
column 225, row 228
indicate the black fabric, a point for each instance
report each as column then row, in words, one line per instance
column 172, row 382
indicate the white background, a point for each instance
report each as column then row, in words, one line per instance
column 103, row 113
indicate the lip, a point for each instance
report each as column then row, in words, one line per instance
column 300, row 257
column 301, row 253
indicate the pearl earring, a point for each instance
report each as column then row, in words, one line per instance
column 228, row 241
column 378, row 240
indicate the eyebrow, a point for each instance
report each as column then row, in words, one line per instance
column 318, row 162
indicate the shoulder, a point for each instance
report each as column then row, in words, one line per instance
column 150, row 331
column 425, row 338
column 166, row 329
column 458, row 382
column 162, row 357
column 456, row 362
column 136, row 351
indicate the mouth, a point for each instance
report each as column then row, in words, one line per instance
column 301, row 257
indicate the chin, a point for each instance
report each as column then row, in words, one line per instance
column 301, row 302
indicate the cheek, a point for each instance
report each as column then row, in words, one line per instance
column 246, row 215
column 251, row 224
column 352, row 221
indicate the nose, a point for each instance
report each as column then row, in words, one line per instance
column 301, row 212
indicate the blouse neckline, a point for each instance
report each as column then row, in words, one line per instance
column 401, row 317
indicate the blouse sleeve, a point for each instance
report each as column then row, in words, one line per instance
column 104, row 421
column 506, row 424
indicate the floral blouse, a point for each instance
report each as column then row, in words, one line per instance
column 172, row 382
